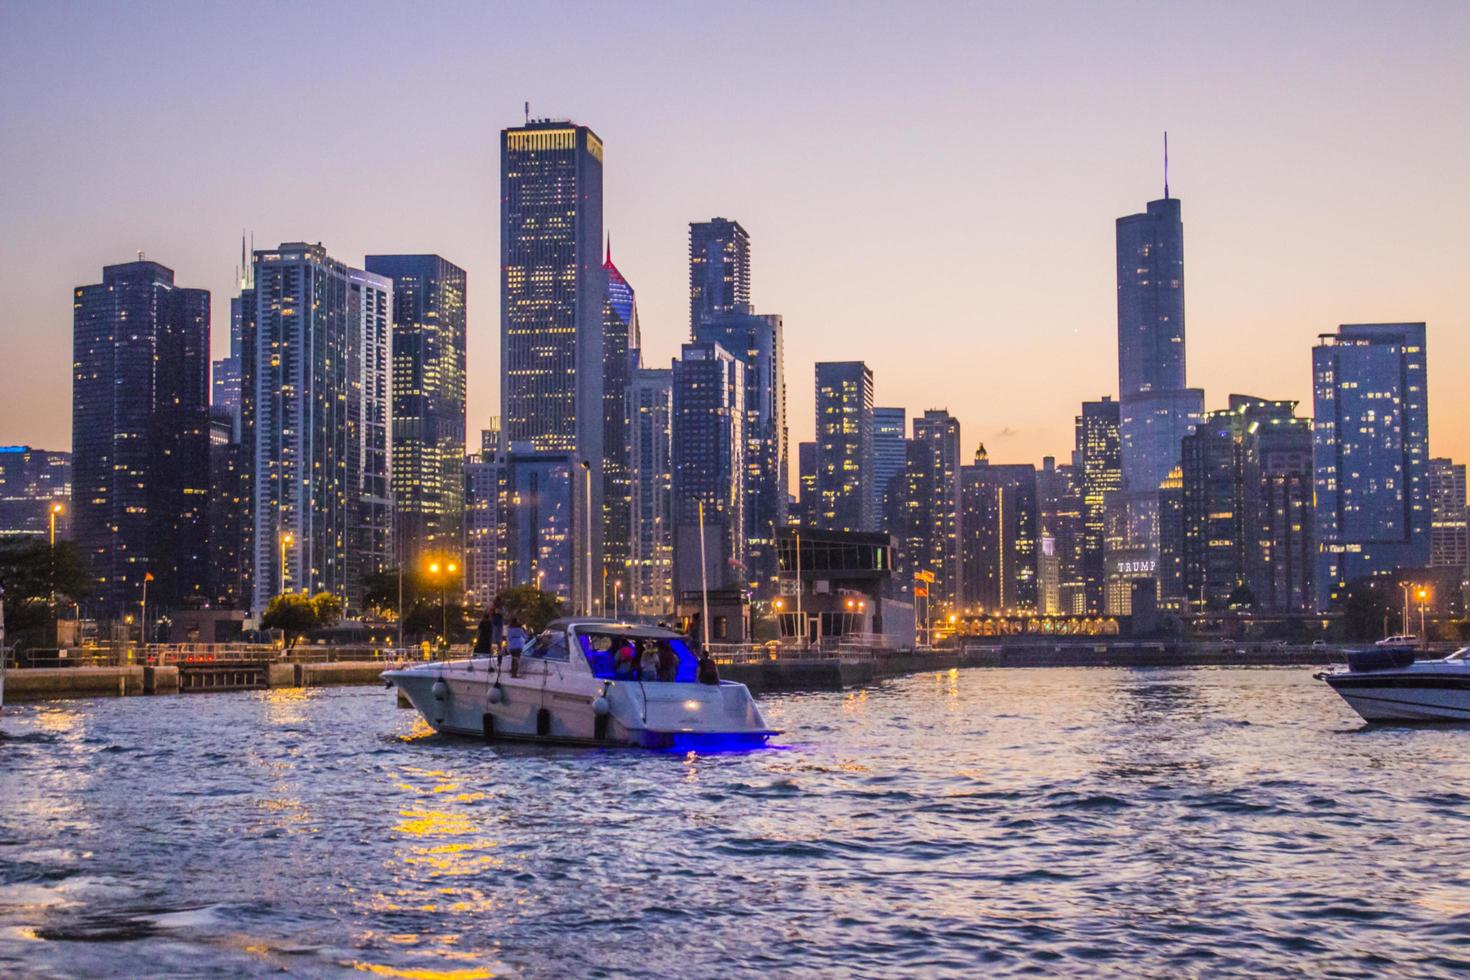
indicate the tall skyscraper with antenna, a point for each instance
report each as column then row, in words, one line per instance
column 1156, row 407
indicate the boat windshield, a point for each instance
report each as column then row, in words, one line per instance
column 1461, row 654
column 614, row 656
column 549, row 645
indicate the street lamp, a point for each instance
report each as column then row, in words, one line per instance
column 1423, row 601
column 1406, row 587
column 286, row 540
column 617, row 595
column 55, row 510
column 449, row 568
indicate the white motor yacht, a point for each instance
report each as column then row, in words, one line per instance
column 1387, row 684
column 579, row 682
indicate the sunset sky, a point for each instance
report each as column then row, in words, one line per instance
column 930, row 188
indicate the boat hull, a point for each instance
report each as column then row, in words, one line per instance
column 551, row 705
column 1404, row 696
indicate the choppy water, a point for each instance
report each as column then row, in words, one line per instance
column 1100, row 821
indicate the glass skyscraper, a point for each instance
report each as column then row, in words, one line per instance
column 428, row 405
column 318, row 427
column 651, row 562
column 621, row 357
column 936, row 538
column 32, row 481
column 719, row 269
column 1449, row 541
column 757, row 341
column 552, row 290
column 890, row 429
column 1370, row 453
column 708, row 451
column 1099, row 472
column 844, row 447
column 140, row 436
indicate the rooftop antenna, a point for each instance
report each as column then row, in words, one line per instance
column 528, row 112
column 140, row 255
column 1166, row 164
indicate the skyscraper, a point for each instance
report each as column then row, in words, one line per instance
column 757, row 341
column 1097, row 465
column 651, row 563
column 708, row 447
column 229, row 511
column 227, row 372
column 428, row 405
column 890, row 429
column 140, row 435
column 844, row 447
column 1449, row 545
column 1156, row 409
column 1370, row 454
column 719, row 269
column 320, row 415
column 999, row 543
column 621, row 358
column 806, row 477
column 482, row 564
column 941, row 525
column 552, row 290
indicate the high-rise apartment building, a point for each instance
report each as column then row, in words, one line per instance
column 552, row 294
column 1059, row 515
column 844, row 447
column 429, row 322
column 317, row 425
column 1098, row 469
column 621, row 358
column 941, row 526
column 482, row 564
column 1370, row 454
column 140, row 436
column 229, row 511
column 890, row 432
column 806, row 476
column 1449, row 545
column 999, row 544
column 719, row 269
column 651, row 562
column 757, row 341
column 708, row 450
column 35, row 486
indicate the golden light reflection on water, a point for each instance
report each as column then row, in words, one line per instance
column 60, row 718
column 379, row 969
column 287, row 705
column 856, row 702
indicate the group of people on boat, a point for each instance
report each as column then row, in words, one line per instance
column 498, row 635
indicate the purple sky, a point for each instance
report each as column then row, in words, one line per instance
column 929, row 188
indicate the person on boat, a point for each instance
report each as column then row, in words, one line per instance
column 668, row 663
column 515, row 640
column 625, row 662
column 648, row 663
column 484, row 645
column 708, row 672
column 497, row 625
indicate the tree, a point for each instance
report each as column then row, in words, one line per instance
column 32, row 573
column 534, row 608
column 295, row 614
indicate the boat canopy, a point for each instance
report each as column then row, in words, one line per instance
column 601, row 647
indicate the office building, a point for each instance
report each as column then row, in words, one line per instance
column 940, row 529
column 227, row 373
column 806, row 465
column 844, row 447
column 650, row 586
column 757, row 341
column 1449, row 546
column 1370, row 454
column 35, row 488
column 140, row 437
column 621, row 358
column 1059, row 513
column 543, row 504
column 552, row 293
column 229, row 511
column 890, row 431
column 482, row 565
column 428, row 406
column 719, row 269
column 1097, row 467
column 318, row 425
column 708, row 452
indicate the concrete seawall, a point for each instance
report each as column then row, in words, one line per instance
column 830, row 673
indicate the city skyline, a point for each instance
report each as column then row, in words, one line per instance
column 1375, row 204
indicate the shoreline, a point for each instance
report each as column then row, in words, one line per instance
column 34, row 684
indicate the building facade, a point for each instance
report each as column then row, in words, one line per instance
column 552, row 293
column 1098, row 468
column 708, row 452
column 651, row 562
column 844, row 447
column 140, row 437
column 1449, row 541
column 719, row 269
column 1000, row 540
column 429, row 322
column 621, row 358
column 890, row 432
column 935, row 542
column 319, row 425
column 1370, row 454
column 35, row 487
column 756, row 339
column 482, row 557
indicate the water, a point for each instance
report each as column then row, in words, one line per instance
column 1155, row 822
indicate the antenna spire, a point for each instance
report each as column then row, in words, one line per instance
column 1166, row 164
column 609, row 248
column 528, row 112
